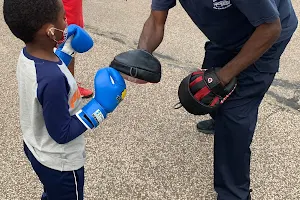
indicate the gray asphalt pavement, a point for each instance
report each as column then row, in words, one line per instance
column 146, row 149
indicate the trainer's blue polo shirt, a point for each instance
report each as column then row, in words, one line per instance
column 230, row 23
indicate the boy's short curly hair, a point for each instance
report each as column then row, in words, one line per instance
column 26, row 17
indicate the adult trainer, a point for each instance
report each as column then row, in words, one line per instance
column 246, row 39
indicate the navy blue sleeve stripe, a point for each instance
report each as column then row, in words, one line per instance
column 52, row 94
column 258, row 11
column 162, row 5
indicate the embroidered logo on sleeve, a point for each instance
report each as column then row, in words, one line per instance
column 221, row 4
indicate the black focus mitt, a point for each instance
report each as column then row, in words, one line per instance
column 138, row 64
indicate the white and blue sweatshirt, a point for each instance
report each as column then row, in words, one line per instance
column 49, row 99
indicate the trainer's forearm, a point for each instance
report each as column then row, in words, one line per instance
column 152, row 35
column 261, row 40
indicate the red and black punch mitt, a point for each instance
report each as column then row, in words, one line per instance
column 201, row 92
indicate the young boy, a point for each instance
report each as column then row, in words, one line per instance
column 51, row 116
column 74, row 15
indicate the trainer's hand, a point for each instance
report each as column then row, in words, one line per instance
column 224, row 77
column 138, row 66
column 133, row 80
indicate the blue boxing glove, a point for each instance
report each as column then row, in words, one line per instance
column 110, row 90
column 78, row 41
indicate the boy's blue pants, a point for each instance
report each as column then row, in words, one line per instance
column 66, row 185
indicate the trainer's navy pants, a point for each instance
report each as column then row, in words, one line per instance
column 66, row 185
column 235, row 120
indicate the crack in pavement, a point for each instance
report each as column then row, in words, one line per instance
column 293, row 102
column 286, row 83
column 120, row 38
column 289, row 102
